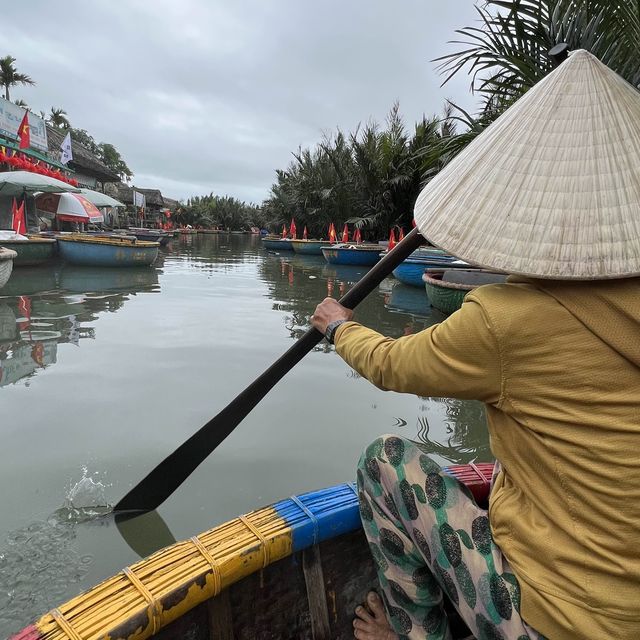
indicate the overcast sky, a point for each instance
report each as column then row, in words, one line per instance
column 205, row 96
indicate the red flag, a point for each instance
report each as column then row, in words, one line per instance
column 23, row 132
column 333, row 237
column 401, row 235
column 18, row 222
column 357, row 236
column 392, row 239
column 284, row 230
column 345, row 234
column 304, row 232
column 292, row 228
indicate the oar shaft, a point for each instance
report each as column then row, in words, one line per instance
column 162, row 481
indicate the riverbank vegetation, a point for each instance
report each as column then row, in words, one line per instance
column 372, row 177
column 219, row 211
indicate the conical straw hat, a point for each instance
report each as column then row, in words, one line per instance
column 552, row 188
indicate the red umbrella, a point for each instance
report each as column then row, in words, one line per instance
column 304, row 232
column 284, row 230
column 292, row 228
column 345, row 234
column 72, row 207
column 357, row 236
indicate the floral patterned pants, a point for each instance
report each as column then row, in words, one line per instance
column 427, row 535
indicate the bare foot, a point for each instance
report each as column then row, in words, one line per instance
column 372, row 624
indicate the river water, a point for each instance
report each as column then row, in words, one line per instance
column 103, row 373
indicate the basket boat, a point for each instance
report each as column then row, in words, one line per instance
column 446, row 289
column 294, row 570
column 31, row 250
column 276, row 244
column 113, row 251
column 360, row 255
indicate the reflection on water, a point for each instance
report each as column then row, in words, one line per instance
column 297, row 283
column 463, row 440
column 41, row 307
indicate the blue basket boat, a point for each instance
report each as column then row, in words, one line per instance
column 277, row 244
column 410, row 271
column 363, row 255
column 98, row 251
column 294, row 570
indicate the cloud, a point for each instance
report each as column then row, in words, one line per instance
column 209, row 96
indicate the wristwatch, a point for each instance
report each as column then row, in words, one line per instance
column 331, row 329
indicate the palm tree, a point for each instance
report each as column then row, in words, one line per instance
column 58, row 119
column 9, row 76
column 23, row 104
column 509, row 52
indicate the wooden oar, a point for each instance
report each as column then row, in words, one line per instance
column 158, row 485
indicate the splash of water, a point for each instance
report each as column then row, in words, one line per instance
column 85, row 500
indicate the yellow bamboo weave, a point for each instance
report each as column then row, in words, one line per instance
column 159, row 589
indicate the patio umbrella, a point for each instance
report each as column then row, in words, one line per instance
column 71, row 207
column 17, row 183
column 101, row 199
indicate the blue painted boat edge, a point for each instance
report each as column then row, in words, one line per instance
column 320, row 515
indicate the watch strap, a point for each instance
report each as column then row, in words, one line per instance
column 332, row 327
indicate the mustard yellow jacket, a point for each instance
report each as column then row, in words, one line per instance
column 558, row 366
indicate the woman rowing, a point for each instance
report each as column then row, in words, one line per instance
column 550, row 193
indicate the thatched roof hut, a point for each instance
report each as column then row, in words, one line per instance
column 89, row 169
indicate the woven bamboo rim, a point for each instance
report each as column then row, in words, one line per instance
column 438, row 282
column 150, row 594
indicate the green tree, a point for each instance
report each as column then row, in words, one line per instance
column 83, row 137
column 112, row 158
column 509, row 51
column 9, row 76
column 369, row 178
column 58, row 118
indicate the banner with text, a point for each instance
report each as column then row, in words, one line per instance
column 10, row 119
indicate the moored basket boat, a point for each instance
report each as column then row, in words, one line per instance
column 111, row 251
column 446, row 289
column 275, row 243
column 294, row 570
column 309, row 247
column 30, row 250
column 7, row 256
column 361, row 255
column 410, row 270
column 150, row 235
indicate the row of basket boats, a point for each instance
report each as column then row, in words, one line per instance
column 133, row 247
column 446, row 279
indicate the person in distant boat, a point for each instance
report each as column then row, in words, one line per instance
column 549, row 193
